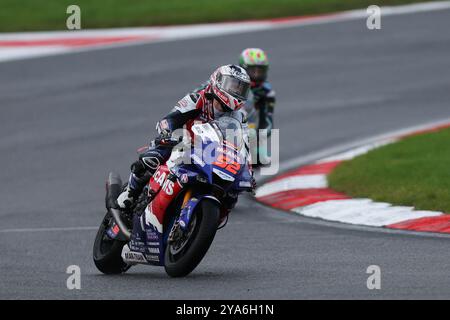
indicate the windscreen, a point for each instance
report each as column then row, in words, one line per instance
column 230, row 130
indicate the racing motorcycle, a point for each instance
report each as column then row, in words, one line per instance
column 181, row 208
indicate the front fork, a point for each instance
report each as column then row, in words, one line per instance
column 179, row 225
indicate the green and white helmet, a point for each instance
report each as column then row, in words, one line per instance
column 256, row 63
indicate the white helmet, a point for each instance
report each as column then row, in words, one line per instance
column 230, row 85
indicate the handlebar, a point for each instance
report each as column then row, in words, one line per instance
column 168, row 141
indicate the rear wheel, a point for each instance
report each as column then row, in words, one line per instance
column 185, row 252
column 107, row 252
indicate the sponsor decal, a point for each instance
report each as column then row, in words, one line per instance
column 134, row 257
column 136, row 246
column 184, row 178
column 152, row 235
column 166, row 184
column 182, row 103
column 111, row 233
column 221, row 96
column 151, row 162
column 153, row 250
column 116, row 229
column 160, row 177
column 151, row 257
column 223, row 175
column 168, row 187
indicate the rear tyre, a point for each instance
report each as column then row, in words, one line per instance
column 107, row 252
column 180, row 260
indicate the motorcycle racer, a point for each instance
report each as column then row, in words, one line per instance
column 226, row 92
column 256, row 63
column 261, row 101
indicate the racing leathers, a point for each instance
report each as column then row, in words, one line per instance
column 264, row 103
column 194, row 107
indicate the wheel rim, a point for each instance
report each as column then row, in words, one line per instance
column 177, row 247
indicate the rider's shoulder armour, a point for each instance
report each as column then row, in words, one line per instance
column 188, row 103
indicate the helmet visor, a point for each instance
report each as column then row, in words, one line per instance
column 235, row 87
column 257, row 73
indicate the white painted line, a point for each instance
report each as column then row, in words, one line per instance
column 48, row 229
column 15, row 53
column 353, row 153
column 312, row 181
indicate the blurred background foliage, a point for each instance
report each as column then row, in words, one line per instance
column 34, row 15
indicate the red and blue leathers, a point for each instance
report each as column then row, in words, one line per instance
column 196, row 106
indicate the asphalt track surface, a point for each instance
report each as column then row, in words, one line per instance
column 67, row 120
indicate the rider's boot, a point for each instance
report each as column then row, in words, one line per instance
column 141, row 171
column 139, row 177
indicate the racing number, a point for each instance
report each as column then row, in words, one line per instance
column 225, row 163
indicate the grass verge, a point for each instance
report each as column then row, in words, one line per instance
column 412, row 172
column 33, row 15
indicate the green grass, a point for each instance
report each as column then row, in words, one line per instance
column 413, row 172
column 26, row 15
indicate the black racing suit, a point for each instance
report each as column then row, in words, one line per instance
column 264, row 102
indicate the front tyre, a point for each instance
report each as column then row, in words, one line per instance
column 181, row 258
column 107, row 252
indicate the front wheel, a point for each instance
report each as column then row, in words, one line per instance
column 185, row 253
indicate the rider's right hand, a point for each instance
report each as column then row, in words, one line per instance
column 165, row 134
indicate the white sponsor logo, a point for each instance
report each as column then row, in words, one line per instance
column 184, row 178
column 223, row 175
column 134, row 257
column 153, row 250
column 166, row 184
column 151, row 257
